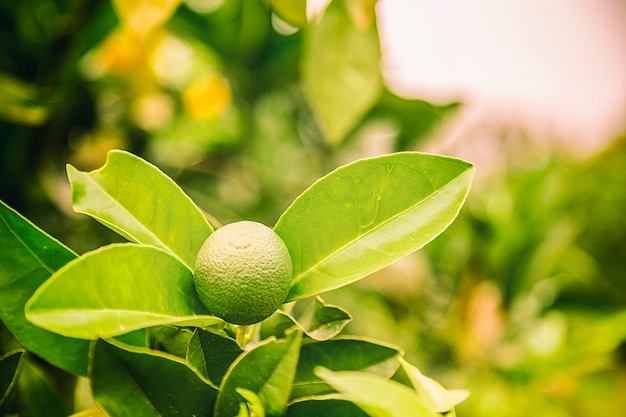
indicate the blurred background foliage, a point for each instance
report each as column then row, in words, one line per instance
column 246, row 102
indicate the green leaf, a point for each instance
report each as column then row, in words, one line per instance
column 212, row 354
column 368, row 214
column 116, row 289
column 267, row 370
column 327, row 407
column 342, row 354
column 138, row 201
column 340, row 72
column 9, row 366
column 435, row 396
column 321, row 321
column 291, row 11
column 28, row 257
column 138, row 382
column 377, row 396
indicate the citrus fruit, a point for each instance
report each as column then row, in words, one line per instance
column 243, row 272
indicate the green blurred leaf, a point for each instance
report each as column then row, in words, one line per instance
column 138, row 382
column 212, row 354
column 28, row 256
column 20, row 102
column 326, row 407
column 377, row 396
column 267, row 370
column 342, row 354
column 435, row 396
column 91, row 412
column 41, row 393
column 144, row 16
column 416, row 119
column 116, row 289
column 368, row 214
column 361, row 12
column 9, row 368
column 138, row 201
column 291, row 11
column 322, row 321
column 340, row 72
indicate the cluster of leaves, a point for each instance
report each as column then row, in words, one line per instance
column 178, row 82
column 127, row 315
column 522, row 300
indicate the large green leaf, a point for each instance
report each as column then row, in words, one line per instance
column 342, row 354
column 9, row 365
column 377, row 396
column 116, row 289
column 138, row 382
column 340, row 72
column 138, row 201
column 368, row 214
column 28, row 256
column 267, row 370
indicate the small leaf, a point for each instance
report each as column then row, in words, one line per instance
column 28, row 256
column 340, row 72
column 368, row 214
column 324, row 406
column 322, row 321
column 171, row 339
column 212, row 354
column 9, row 366
column 254, row 406
column 144, row 16
column 342, row 354
column 131, row 381
column 141, row 203
column 267, row 370
column 435, row 396
column 377, row 396
column 277, row 325
column 116, row 289
column 291, row 11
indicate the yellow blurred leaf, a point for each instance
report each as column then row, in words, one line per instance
column 361, row 12
column 207, row 98
column 143, row 16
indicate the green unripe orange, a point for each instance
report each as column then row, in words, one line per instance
column 243, row 272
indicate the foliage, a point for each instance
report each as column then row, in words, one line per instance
column 135, row 307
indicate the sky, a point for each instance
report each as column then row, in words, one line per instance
column 556, row 68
